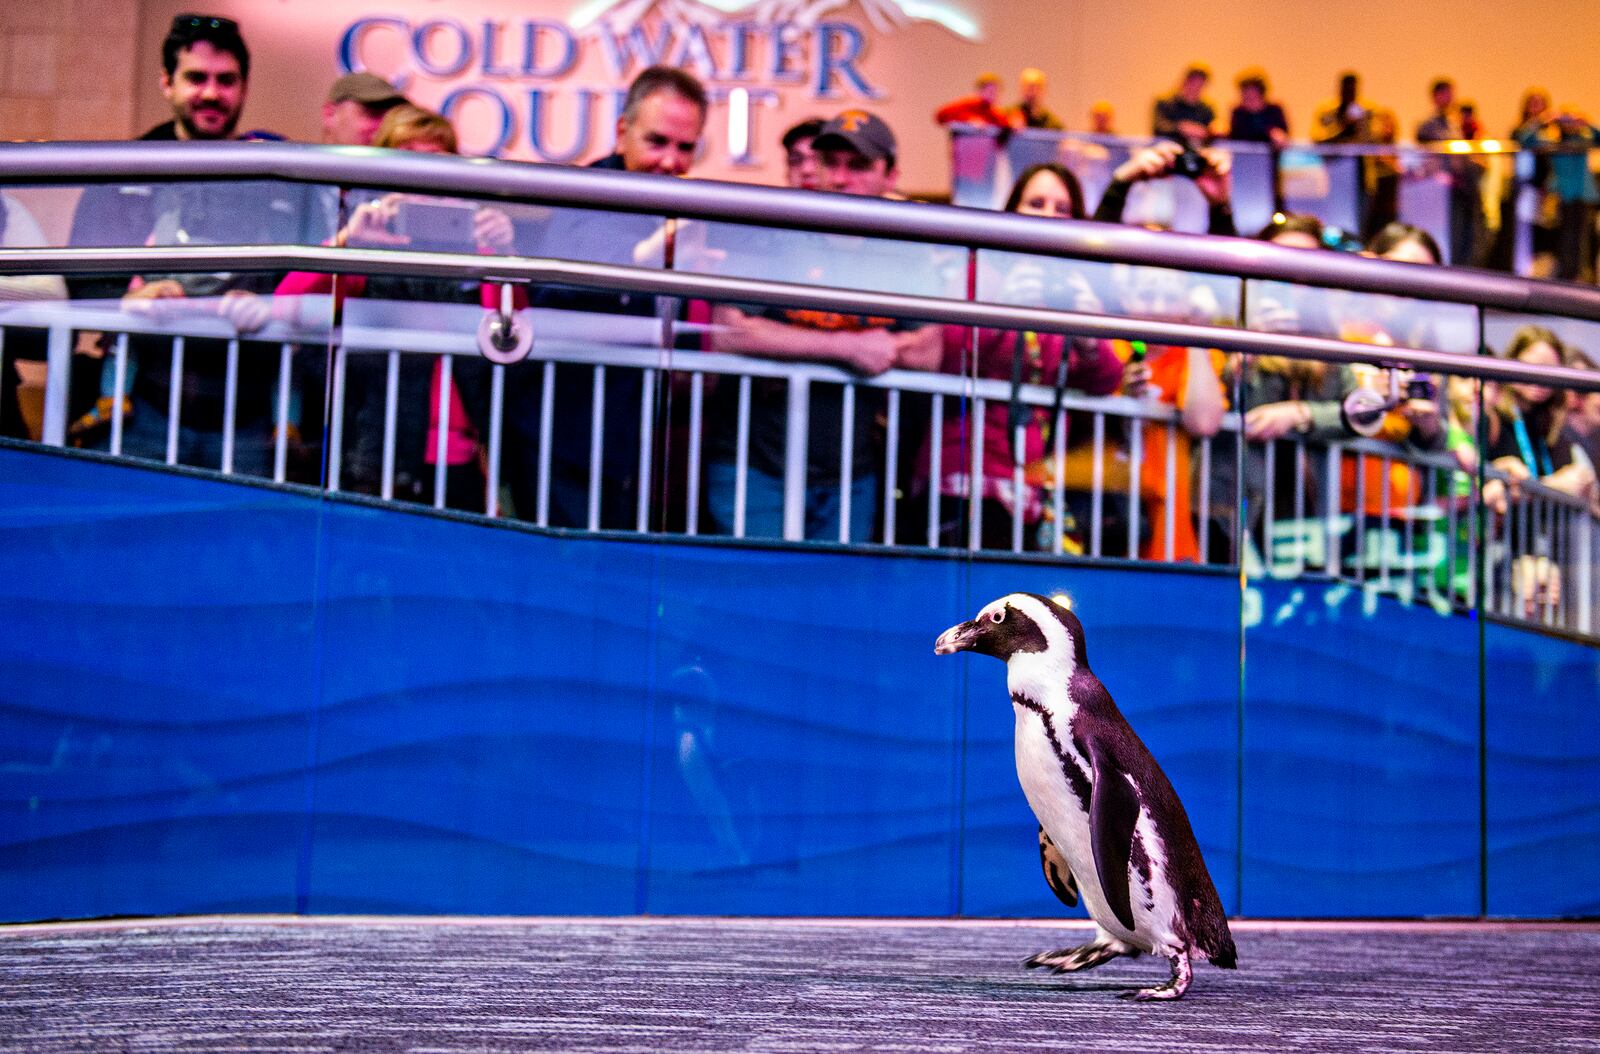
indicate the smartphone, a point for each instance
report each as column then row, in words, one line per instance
column 445, row 227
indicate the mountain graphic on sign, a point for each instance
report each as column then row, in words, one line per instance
column 622, row 16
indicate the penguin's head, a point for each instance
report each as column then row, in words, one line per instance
column 1017, row 624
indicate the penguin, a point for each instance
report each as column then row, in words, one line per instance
column 1111, row 829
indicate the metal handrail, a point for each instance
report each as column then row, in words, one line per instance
column 1501, row 145
column 76, row 163
column 782, row 294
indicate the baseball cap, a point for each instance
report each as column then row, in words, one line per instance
column 860, row 131
column 368, row 89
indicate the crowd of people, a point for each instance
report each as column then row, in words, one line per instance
column 436, row 410
column 1555, row 141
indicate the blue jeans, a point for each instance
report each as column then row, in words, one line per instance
column 763, row 504
column 144, row 435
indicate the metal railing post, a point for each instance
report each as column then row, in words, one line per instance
column 57, row 385
column 797, row 434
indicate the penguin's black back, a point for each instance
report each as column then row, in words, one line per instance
column 1098, row 720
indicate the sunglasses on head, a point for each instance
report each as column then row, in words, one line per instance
column 192, row 23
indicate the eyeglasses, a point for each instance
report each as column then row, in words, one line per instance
column 193, row 23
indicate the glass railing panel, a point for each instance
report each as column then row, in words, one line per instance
column 1360, row 318
column 832, row 261
column 1484, row 201
column 197, row 213
column 1362, row 552
column 1157, row 293
column 1540, row 444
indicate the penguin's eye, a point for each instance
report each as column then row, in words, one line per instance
column 997, row 617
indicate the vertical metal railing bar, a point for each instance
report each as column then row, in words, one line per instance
column 57, row 385
column 1361, row 517
column 119, row 384
column 891, row 464
column 1559, row 568
column 1018, row 438
column 230, row 407
column 497, row 415
column 280, row 432
column 1570, row 594
column 336, row 419
column 1135, row 471
column 391, row 415
column 1558, row 539
column 1538, row 550
column 1058, row 483
column 1269, row 498
column 1523, row 541
column 441, row 441
column 1474, row 513
column 1169, row 500
column 175, row 399
column 1586, row 572
column 975, row 474
column 1332, row 537
column 647, row 446
column 741, row 460
column 1385, row 516
column 1493, row 570
column 1097, row 479
column 1301, row 471
column 597, row 424
column 547, row 420
column 1508, row 594
column 1452, row 526
column 1547, row 531
column 847, row 420
column 935, row 468
column 697, row 397
column 1427, row 568
column 797, row 436
column 1408, row 532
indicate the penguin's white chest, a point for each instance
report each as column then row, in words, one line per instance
column 1058, row 782
column 1044, row 753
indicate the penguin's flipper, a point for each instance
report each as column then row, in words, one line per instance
column 1057, row 872
column 1113, row 812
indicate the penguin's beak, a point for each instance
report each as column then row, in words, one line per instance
column 957, row 638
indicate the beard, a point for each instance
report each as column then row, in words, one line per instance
column 187, row 118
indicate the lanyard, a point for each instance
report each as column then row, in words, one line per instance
column 1542, row 466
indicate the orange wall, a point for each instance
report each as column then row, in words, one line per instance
column 53, row 85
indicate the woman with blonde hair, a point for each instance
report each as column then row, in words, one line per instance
column 380, row 223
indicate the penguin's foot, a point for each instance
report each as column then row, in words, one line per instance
column 1083, row 957
column 1182, row 973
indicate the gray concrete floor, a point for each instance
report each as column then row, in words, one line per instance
column 447, row 985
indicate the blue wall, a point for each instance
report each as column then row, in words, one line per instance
column 221, row 697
